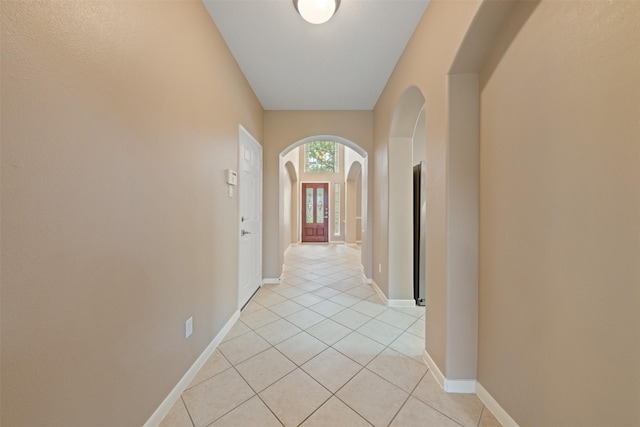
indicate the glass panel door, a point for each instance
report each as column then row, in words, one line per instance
column 315, row 211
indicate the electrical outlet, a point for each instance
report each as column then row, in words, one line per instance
column 188, row 328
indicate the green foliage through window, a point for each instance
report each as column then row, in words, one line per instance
column 321, row 156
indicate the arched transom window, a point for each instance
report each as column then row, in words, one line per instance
column 321, row 156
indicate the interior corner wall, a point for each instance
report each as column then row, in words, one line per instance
column 289, row 177
column 425, row 63
column 420, row 141
column 462, row 226
column 560, row 216
column 359, row 191
column 400, row 271
column 352, row 194
column 295, row 196
column 366, row 231
column 285, row 214
column 281, row 130
column 118, row 122
column 350, row 211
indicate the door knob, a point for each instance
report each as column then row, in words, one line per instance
column 245, row 232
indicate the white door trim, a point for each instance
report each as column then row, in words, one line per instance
column 245, row 138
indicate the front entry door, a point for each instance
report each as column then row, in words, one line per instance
column 315, row 212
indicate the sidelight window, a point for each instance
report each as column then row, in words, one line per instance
column 336, row 209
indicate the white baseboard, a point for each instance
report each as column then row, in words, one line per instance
column 460, row 386
column 433, row 368
column 450, row 386
column 174, row 395
column 390, row 302
column 381, row 294
column 495, row 408
column 401, row 303
column 270, row 281
column 469, row 386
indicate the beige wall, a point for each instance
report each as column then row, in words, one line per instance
column 352, row 196
column 400, row 262
column 290, row 179
column 462, row 225
column 359, row 192
column 287, row 208
column 559, row 295
column 118, row 121
column 283, row 129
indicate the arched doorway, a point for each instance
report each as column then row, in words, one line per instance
column 347, row 198
column 407, row 146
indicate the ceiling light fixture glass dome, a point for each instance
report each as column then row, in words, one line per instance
column 316, row 11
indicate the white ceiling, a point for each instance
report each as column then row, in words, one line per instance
column 343, row 64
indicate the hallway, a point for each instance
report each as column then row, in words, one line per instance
column 320, row 349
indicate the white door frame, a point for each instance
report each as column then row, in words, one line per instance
column 249, row 229
column 329, row 200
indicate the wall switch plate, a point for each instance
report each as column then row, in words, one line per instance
column 231, row 177
column 379, row 268
column 188, row 328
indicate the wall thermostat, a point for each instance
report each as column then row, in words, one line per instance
column 232, row 177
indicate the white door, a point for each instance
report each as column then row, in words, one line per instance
column 250, row 221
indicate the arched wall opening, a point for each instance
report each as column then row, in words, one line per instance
column 353, row 193
column 451, row 335
column 407, row 144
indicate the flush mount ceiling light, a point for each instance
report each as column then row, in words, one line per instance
column 316, row 11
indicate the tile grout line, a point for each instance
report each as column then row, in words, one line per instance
column 480, row 417
column 255, row 300
column 363, row 367
column 188, row 412
column 407, row 399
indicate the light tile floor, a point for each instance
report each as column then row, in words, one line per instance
column 320, row 349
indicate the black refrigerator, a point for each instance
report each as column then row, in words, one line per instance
column 419, row 231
